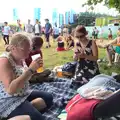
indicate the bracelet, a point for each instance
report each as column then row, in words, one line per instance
column 32, row 71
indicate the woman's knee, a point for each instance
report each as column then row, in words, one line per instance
column 39, row 103
column 26, row 108
column 26, row 117
column 47, row 97
column 22, row 117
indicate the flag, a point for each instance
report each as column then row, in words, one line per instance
column 61, row 20
column 37, row 13
column 66, row 17
column 15, row 14
column 72, row 16
column 54, row 16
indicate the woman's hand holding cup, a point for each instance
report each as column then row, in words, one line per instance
column 36, row 64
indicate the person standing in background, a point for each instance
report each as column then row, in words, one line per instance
column 93, row 34
column 19, row 26
column 60, row 30
column 109, row 34
column 55, row 31
column 96, row 33
column 48, row 29
column 29, row 27
column 69, row 29
column 6, row 32
column 37, row 28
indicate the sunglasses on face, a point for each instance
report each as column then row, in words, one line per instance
column 81, row 36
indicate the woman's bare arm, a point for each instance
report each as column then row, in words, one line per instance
column 113, row 42
column 7, row 76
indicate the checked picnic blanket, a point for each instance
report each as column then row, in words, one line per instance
column 62, row 93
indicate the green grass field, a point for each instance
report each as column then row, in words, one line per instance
column 53, row 58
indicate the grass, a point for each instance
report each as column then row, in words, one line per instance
column 53, row 58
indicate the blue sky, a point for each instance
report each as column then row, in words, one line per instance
column 25, row 8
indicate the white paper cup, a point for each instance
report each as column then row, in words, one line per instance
column 34, row 57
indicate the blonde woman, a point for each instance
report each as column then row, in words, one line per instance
column 15, row 96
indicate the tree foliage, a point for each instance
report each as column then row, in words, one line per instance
column 88, row 18
column 108, row 3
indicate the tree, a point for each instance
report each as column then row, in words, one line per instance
column 88, row 18
column 108, row 3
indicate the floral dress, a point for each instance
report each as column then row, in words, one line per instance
column 85, row 69
column 8, row 102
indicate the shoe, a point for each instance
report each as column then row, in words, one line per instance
column 109, row 65
column 49, row 45
column 46, row 46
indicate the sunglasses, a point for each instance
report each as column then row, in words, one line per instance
column 81, row 36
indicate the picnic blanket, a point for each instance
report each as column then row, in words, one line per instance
column 62, row 93
column 63, row 115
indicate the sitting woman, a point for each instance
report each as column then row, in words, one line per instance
column 15, row 96
column 86, row 53
column 70, row 43
column 113, row 47
column 60, row 44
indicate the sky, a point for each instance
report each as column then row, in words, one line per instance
column 26, row 8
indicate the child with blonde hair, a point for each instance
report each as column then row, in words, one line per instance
column 60, row 44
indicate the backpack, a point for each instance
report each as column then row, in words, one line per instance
column 79, row 108
column 69, row 67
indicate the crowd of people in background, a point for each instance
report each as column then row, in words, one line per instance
column 63, row 35
column 36, row 30
column 99, row 32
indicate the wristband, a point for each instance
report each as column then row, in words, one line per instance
column 32, row 71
